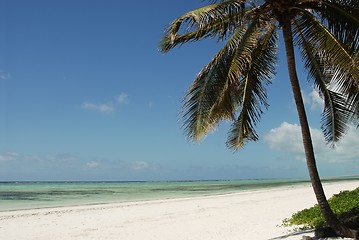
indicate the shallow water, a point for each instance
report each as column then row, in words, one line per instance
column 27, row 195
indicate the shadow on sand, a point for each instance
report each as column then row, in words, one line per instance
column 301, row 233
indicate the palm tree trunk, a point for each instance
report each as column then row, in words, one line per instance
column 329, row 216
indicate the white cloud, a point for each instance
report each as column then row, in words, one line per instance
column 122, row 99
column 306, row 98
column 347, row 149
column 313, row 100
column 140, row 165
column 103, row 108
column 4, row 76
column 92, row 164
column 317, row 103
column 287, row 138
column 9, row 156
column 14, row 156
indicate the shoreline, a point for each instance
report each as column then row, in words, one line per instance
column 36, row 195
column 252, row 214
column 144, row 201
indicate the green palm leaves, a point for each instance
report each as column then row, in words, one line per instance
column 209, row 21
column 232, row 86
column 329, row 48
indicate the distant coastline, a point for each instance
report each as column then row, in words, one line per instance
column 331, row 178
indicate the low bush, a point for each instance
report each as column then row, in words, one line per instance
column 345, row 205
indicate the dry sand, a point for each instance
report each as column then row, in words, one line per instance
column 240, row 216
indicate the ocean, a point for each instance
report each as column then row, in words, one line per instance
column 30, row 195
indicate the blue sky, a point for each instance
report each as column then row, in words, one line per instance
column 86, row 95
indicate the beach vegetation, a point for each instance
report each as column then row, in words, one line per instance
column 345, row 206
column 233, row 85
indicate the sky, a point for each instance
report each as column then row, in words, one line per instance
column 85, row 95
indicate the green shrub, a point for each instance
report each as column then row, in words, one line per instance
column 342, row 204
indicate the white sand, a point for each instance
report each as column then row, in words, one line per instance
column 240, row 216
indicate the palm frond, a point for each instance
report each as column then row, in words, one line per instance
column 213, row 95
column 335, row 115
column 253, row 94
column 342, row 19
column 220, row 19
column 353, row 103
column 208, row 89
column 335, row 52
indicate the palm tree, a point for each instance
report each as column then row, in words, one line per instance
column 232, row 86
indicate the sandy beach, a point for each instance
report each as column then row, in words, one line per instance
column 239, row 216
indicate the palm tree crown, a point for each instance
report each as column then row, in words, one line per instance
column 233, row 85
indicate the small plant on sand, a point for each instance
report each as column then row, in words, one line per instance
column 345, row 205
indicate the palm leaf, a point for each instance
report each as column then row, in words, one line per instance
column 326, row 75
column 335, row 115
column 213, row 20
column 336, row 54
column 335, row 51
column 209, row 88
column 212, row 96
column 254, row 95
column 342, row 19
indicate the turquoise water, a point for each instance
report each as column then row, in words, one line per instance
column 28, row 195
